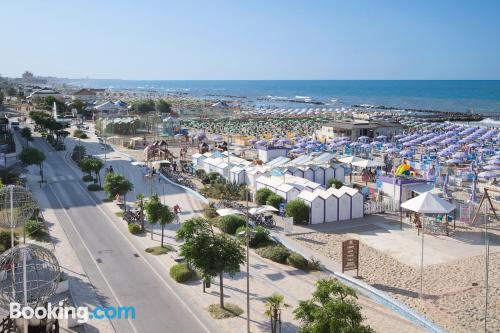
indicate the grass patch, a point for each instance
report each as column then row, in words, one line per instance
column 228, row 311
column 119, row 214
column 157, row 250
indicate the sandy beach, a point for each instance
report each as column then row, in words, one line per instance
column 451, row 300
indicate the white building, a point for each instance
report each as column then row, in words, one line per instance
column 267, row 154
column 36, row 95
column 316, row 205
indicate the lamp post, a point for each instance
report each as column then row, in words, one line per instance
column 247, row 236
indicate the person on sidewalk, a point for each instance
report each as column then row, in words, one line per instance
column 177, row 210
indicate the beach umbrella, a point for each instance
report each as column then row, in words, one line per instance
column 487, row 174
column 491, row 167
column 494, row 161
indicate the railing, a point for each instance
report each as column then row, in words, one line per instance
column 7, row 325
column 387, row 205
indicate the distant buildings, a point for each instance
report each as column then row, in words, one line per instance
column 356, row 128
column 38, row 94
column 88, row 96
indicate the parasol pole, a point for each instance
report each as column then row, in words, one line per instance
column 422, row 260
column 25, row 289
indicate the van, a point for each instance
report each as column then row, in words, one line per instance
column 14, row 125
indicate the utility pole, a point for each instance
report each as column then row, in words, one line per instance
column 247, row 234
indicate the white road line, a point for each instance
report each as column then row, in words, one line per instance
column 91, row 256
column 139, row 251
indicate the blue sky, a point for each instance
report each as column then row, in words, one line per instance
column 371, row 39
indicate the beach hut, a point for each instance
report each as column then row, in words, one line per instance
column 343, row 204
column 198, row 159
column 308, row 173
column 287, row 191
column 356, row 202
column 316, row 204
column 319, row 174
column 237, row 175
column 330, row 212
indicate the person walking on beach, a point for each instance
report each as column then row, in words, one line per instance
column 177, row 210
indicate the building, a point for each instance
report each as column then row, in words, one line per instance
column 85, row 95
column 267, row 154
column 38, row 94
column 355, row 128
column 108, row 107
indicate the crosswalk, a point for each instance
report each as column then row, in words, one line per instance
column 56, row 179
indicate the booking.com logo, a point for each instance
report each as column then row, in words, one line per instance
column 82, row 313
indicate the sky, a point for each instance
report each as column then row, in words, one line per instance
column 255, row 40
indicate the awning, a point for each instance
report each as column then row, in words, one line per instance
column 262, row 209
column 228, row 211
column 421, row 188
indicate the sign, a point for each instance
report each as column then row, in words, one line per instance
column 350, row 255
column 288, row 224
column 282, row 209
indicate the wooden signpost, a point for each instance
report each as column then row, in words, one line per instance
column 350, row 255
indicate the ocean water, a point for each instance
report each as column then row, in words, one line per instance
column 480, row 96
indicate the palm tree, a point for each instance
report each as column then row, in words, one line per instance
column 274, row 304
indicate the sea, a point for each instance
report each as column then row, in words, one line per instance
column 457, row 95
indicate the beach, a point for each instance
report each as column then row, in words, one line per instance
column 451, row 300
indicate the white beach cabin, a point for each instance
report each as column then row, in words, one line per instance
column 317, row 205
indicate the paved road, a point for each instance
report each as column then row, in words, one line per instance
column 114, row 264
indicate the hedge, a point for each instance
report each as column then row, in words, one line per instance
column 93, row 187
column 134, row 228
column 298, row 210
column 87, row 178
column 277, row 253
column 262, row 195
column 275, row 200
column 297, row 261
column 181, row 273
column 230, row 223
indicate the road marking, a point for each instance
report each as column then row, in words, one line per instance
column 91, row 257
column 98, row 205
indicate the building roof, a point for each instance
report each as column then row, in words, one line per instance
column 85, row 92
column 350, row 125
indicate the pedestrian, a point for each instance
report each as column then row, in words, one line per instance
column 110, row 169
column 177, row 210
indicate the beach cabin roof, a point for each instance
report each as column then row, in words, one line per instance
column 236, row 169
column 323, row 158
column 308, row 196
column 196, row 155
column 107, row 106
column 348, row 190
column 278, row 161
column 285, row 188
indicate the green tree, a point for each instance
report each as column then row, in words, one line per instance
column 143, row 107
column 162, row 106
column 332, row 308
column 212, row 254
column 11, row 91
column 261, row 196
column 167, row 216
column 140, row 204
column 275, row 200
column 334, row 182
column 2, row 97
column 153, row 209
column 274, row 304
column 20, row 94
column 298, row 210
column 92, row 164
column 26, row 133
column 33, row 156
column 116, row 184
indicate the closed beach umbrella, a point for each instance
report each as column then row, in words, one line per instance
column 487, row 174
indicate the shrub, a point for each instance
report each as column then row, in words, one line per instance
column 297, row 261
column 260, row 237
column 78, row 133
column 210, row 212
column 213, row 175
column 230, row 223
column 262, row 195
column 134, row 228
column 228, row 311
column 200, row 173
column 298, row 210
column 157, row 250
column 181, row 273
column 334, row 182
column 36, row 230
column 277, row 253
column 93, row 187
column 87, row 178
column 5, row 242
column 275, row 200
